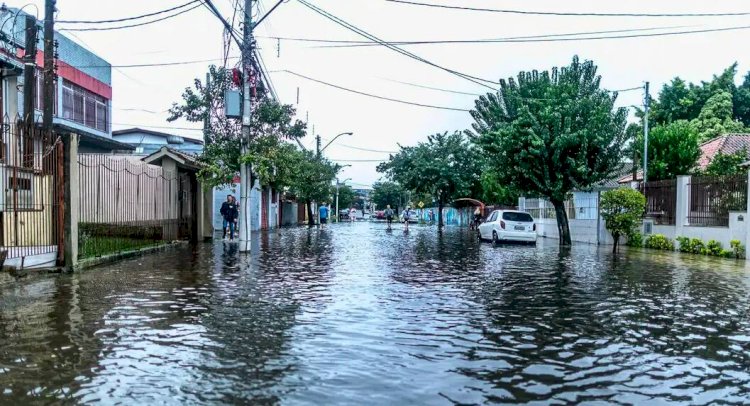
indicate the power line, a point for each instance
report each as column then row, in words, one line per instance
column 435, row 88
column 370, row 43
column 474, row 79
column 132, row 25
column 146, row 65
column 268, row 13
column 373, row 95
column 367, row 149
column 119, row 20
column 569, row 14
column 549, row 38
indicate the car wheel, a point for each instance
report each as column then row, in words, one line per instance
column 479, row 235
column 495, row 240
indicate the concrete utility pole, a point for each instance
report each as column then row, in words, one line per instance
column 246, row 183
column 29, row 71
column 49, row 64
column 646, row 105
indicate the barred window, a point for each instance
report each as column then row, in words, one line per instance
column 85, row 107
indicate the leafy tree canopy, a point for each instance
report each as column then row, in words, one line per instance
column 673, row 149
column 727, row 164
column 679, row 100
column 222, row 150
column 547, row 133
column 716, row 117
column 346, row 196
column 445, row 167
column 387, row 193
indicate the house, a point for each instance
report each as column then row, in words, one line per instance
column 147, row 142
column 83, row 92
column 30, row 164
column 725, row 144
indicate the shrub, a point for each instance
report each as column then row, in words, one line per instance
column 659, row 242
column 737, row 249
column 713, row 248
column 635, row 239
column 622, row 210
column 684, row 244
column 697, row 246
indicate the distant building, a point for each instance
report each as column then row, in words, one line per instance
column 83, row 97
column 147, row 142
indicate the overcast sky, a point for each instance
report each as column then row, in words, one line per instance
column 141, row 95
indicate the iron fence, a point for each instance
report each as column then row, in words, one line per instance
column 713, row 197
column 127, row 204
column 661, row 200
column 31, row 195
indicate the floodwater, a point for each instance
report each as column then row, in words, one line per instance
column 354, row 315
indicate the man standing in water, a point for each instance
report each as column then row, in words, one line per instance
column 407, row 216
column 388, row 213
column 229, row 212
column 323, row 214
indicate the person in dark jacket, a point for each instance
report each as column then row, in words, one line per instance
column 230, row 213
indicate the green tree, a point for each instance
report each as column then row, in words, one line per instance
column 727, row 164
column 673, row 149
column 716, row 117
column 346, row 196
column 221, row 153
column 550, row 132
column 387, row 193
column 444, row 167
column 676, row 102
column 741, row 101
column 622, row 210
column 312, row 182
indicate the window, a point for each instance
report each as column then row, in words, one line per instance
column 39, row 92
column 493, row 217
column 517, row 216
column 84, row 107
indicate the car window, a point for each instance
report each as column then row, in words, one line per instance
column 516, row 216
column 493, row 217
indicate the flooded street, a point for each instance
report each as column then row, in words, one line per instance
column 354, row 315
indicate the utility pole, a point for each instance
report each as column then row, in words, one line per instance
column 337, row 201
column 646, row 105
column 29, row 72
column 246, row 183
column 49, row 64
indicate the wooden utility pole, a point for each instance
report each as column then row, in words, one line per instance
column 29, row 72
column 246, row 182
column 49, row 64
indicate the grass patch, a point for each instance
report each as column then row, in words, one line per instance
column 99, row 246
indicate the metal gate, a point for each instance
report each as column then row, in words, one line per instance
column 187, row 203
column 32, row 198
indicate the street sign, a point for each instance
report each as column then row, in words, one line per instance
column 421, row 205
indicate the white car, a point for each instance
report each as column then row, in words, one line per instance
column 508, row 225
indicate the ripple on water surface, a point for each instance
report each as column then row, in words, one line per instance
column 352, row 314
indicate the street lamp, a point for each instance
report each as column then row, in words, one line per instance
column 331, row 141
column 338, row 213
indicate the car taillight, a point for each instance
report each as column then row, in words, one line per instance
column 502, row 224
column 533, row 228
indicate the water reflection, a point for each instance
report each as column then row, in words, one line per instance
column 353, row 314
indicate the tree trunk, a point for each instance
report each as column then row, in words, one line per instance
column 440, row 214
column 563, row 228
column 310, row 218
column 615, row 237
